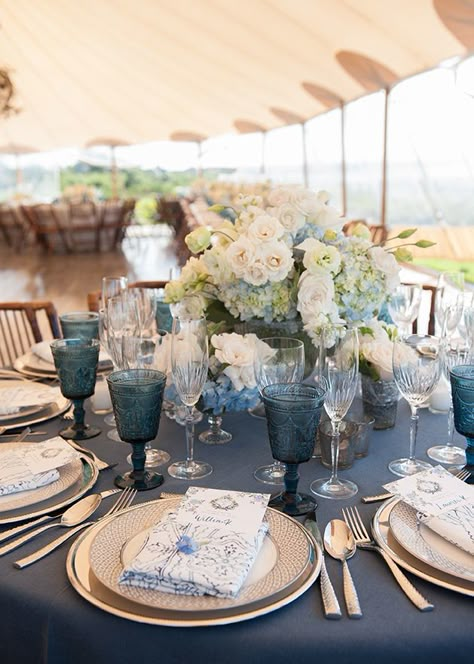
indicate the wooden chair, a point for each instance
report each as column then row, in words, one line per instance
column 14, row 227
column 50, row 233
column 21, row 327
column 431, row 291
column 114, row 218
column 94, row 299
column 83, row 226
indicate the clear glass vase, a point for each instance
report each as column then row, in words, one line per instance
column 380, row 401
column 215, row 435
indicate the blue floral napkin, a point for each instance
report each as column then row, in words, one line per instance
column 30, row 466
column 207, row 546
column 443, row 502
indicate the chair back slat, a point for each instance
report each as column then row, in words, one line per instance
column 20, row 327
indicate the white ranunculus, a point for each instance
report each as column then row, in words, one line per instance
column 277, row 258
column 315, row 294
column 387, row 264
column 264, row 229
column 290, row 217
column 256, row 273
column 240, row 254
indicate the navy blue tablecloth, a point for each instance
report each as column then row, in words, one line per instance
column 43, row 620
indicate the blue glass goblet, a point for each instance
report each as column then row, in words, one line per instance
column 137, row 396
column 76, row 363
column 462, row 390
column 293, row 411
column 80, row 325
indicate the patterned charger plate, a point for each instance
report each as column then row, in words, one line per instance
column 287, row 565
column 386, row 540
column 426, row 545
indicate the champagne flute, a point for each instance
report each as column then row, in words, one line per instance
column 189, row 366
column 449, row 301
column 404, row 306
column 453, row 353
column 416, row 370
column 340, row 369
column 111, row 287
column 277, row 360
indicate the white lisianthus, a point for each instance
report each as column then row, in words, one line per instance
column 290, row 217
column 194, row 271
column 277, row 258
column 217, row 265
column 256, row 273
column 198, row 240
column 388, row 265
column 315, row 294
column 320, row 256
column 174, row 291
column 264, row 229
column 247, row 217
column 240, row 254
column 224, row 234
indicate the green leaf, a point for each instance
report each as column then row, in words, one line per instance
column 367, row 330
column 368, row 369
column 408, row 232
column 217, row 208
column 424, row 244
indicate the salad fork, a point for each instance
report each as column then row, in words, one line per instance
column 363, row 541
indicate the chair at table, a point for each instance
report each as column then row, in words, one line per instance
column 114, row 218
column 83, row 226
column 23, row 324
column 47, row 226
column 94, row 299
column 14, row 227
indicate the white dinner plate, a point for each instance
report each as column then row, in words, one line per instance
column 58, row 405
column 285, row 568
column 428, row 546
column 30, row 364
column 386, row 540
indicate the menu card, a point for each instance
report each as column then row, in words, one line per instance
column 30, row 466
column 206, row 546
column 13, row 399
column 444, row 503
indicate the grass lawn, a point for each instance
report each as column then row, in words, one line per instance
column 446, row 264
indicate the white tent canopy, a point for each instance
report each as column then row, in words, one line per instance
column 143, row 70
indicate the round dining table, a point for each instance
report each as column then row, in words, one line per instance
column 45, row 621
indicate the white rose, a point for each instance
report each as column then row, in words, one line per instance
column 277, row 258
column 326, row 216
column 216, row 262
column 278, row 196
column 240, row 254
column 290, row 217
column 379, row 353
column 247, row 217
column 238, row 352
column 388, row 265
column 315, row 294
column 265, row 228
column 256, row 273
column 320, row 256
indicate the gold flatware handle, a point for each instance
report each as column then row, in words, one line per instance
column 375, row 499
column 45, row 550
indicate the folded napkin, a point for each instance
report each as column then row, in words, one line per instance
column 443, row 502
column 30, row 466
column 43, row 351
column 206, row 547
column 13, row 399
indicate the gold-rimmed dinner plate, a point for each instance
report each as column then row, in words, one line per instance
column 75, row 479
column 428, row 546
column 386, row 540
column 58, row 405
column 286, row 567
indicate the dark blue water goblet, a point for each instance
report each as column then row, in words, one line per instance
column 80, row 325
column 76, row 363
column 137, row 396
column 462, row 390
column 293, row 411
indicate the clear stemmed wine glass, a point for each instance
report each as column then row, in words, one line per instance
column 277, row 360
column 466, row 323
column 416, row 370
column 449, row 301
column 145, row 302
column 340, row 369
column 189, row 366
column 404, row 306
column 453, row 353
column 148, row 351
column 111, row 287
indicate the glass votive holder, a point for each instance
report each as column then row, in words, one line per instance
column 101, row 403
column 364, row 424
column 80, row 324
column 347, row 441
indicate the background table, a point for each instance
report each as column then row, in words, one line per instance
column 44, row 620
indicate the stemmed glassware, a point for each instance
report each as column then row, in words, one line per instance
column 189, row 366
column 416, row 370
column 453, row 353
column 293, row 411
column 148, row 351
column 462, row 388
column 277, row 360
column 137, row 395
column 339, row 368
column 76, row 363
column 449, row 301
column 112, row 287
column 404, row 306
